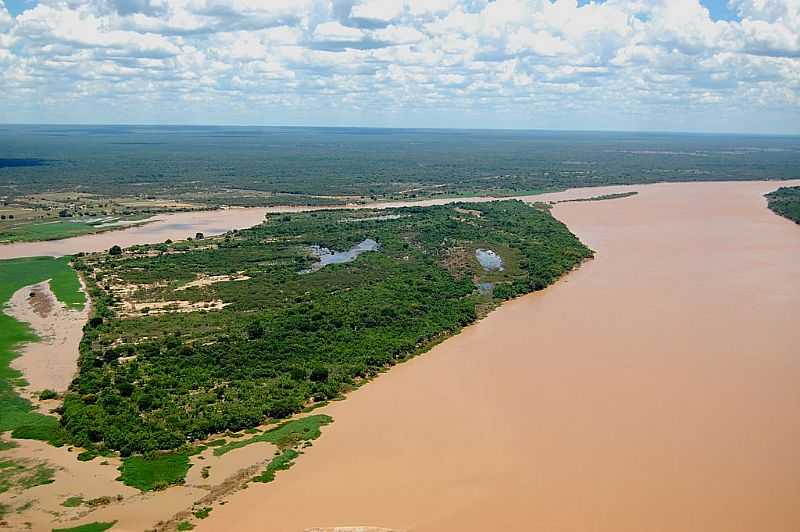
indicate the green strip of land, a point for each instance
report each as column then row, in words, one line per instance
column 16, row 413
column 90, row 527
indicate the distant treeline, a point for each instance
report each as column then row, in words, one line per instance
column 786, row 202
column 256, row 166
column 285, row 339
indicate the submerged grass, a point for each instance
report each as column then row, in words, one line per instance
column 20, row 475
column 16, row 413
column 284, row 435
column 282, row 462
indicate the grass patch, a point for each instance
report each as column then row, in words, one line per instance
column 16, row 413
column 6, row 445
column 282, row 462
column 284, row 435
column 90, row 527
column 72, row 502
column 155, row 472
column 58, row 229
column 184, row 525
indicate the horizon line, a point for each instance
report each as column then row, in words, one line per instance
column 399, row 128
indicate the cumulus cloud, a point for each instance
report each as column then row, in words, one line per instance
column 518, row 57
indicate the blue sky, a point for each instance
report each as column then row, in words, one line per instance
column 673, row 65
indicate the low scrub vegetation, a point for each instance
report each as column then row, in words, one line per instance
column 786, row 202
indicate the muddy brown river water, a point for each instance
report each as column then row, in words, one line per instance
column 654, row 389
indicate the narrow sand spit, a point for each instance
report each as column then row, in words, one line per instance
column 51, row 362
column 654, row 389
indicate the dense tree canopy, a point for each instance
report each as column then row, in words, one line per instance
column 195, row 338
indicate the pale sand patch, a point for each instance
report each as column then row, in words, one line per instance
column 206, row 280
column 144, row 308
column 51, row 362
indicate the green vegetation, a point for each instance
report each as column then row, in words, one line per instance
column 327, row 166
column 72, row 502
column 203, row 512
column 618, row 195
column 91, row 527
column 16, row 413
column 44, row 395
column 786, row 202
column 56, row 229
column 155, row 471
column 284, row 338
column 184, row 525
column 282, row 462
column 285, row 435
column 22, row 475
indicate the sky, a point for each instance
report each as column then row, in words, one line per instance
column 654, row 65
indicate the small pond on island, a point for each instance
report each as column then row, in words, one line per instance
column 490, row 260
column 327, row 256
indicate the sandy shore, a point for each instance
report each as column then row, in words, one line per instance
column 51, row 362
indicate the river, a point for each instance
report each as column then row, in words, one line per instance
column 179, row 226
column 654, row 389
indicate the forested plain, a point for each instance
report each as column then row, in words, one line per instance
column 261, row 166
column 196, row 338
column 786, row 202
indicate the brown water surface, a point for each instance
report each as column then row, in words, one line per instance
column 654, row 389
column 174, row 226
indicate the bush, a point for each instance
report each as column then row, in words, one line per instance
column 44, row 395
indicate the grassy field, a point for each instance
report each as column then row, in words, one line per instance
column 157, row 471
column 16, row 413
column 90, row 527
column 57, row 229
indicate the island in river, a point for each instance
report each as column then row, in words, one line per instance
column 485, row 383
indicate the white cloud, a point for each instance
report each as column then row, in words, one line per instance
column 335, row 31
column 412, row 56
column 378, row 10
